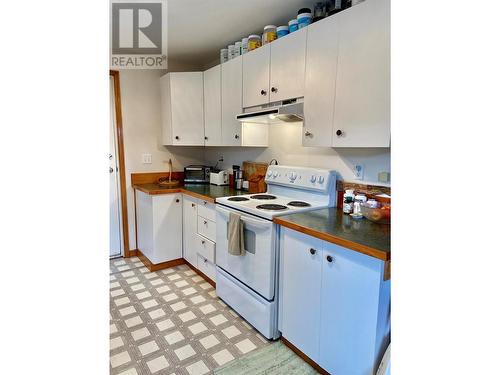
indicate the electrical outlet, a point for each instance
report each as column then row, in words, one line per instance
column 358, row 172
column 147, row 158
column 384, row 177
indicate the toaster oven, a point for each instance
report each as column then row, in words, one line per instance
column 197, row 174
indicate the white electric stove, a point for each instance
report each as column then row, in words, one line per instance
column 249, row 283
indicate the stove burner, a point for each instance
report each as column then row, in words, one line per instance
column 298, row 204
column 238, row 199
column 263, row 196
column 271, row 207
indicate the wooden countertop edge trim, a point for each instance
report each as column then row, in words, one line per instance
column 379, row 254
column 174, row 191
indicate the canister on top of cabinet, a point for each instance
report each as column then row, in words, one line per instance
column 304, row 19
column 230, row 53
column 223, row 55
column 281, row 31
column 254, row 42
column 269, row 34
column 244, row 46
column 293, row 25
column 237, row 49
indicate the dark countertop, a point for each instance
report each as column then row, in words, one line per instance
column 332, row 225
column 202, row 191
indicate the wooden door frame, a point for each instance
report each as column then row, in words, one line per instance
column 121, row 160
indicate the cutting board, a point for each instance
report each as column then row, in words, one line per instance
column 255, row 173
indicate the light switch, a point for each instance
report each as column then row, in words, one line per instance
column 147, row 158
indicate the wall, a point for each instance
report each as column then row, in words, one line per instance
column 285, row 146
column 140, row 95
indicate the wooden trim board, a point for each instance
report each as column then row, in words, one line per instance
column 160, row 266
column 306, row 359
column 121, row 160
column 205, row 277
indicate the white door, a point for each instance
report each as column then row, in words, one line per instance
column 256, row 76
column 186, row 90
column 212, row 106
column 115, row 226
column 300, row 291
column 349, row 311
column 288, row 61
column 231, row 102
column 256, row 268
column 321, row 73
column 362, row 101
column 190, row 217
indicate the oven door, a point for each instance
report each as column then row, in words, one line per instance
column 255, row 269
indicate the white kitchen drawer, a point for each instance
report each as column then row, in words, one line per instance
column 206, row 227
column 207, row 267
column 207, row 210
column 205, row 248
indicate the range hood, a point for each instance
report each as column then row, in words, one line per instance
column 293, row 112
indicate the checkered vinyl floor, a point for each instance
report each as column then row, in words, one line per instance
column 171, row 322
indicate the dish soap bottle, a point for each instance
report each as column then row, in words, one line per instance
column 348, row 205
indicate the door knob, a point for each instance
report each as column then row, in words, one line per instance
column 263, row 92
column 329, row 258
column 338, row 132
column 312, row 251
column 111, row 170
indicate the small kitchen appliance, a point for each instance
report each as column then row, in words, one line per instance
column 197, row 174
column 219, row 178
column 249, row 283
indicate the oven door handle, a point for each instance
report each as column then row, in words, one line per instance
column 246, row 219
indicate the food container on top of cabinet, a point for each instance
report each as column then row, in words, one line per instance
column 293, row 25
column 254, row 42
column 269, row 34
column 230, row 51
column 380, row 215
column 244, row 46
column 281, row 31
column 223, row 55
column 237, row 49
column 304, row 19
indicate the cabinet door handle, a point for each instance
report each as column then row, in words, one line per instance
column 203, row 242
column 338, row 132
column 312, row 251
column 307, row 134
column 193, row 205
column 204, row 202
column 177, row 137
column 329, row 259
column 263, row 92
column 236, row 136
column 274, row 89
column 205, row 222
column 177, row 200
column 206, row 138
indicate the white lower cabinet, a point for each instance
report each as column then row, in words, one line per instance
column 189, row 229
column 158, row 226
column 198, row 234
column 334, row 304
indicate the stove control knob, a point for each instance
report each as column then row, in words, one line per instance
column 269, row 174
column 313, row 179
column 321, row 179
column 275, row 174
column 293, row 176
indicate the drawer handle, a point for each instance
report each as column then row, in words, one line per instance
column 338, row 132
column 205, row 260
column 308, row 134
column 312, row 251
column 204, row 202
column 329, row 259
column 205, row 222
column 203, row 242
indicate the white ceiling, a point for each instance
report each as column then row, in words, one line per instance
column 198, row 29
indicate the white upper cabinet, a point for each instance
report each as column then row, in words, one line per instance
column 288, row 60
column 320, row 77
column 182, row 109
column 256, row 76
column 362, row 103
column 212, row 106
column 231, row 101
